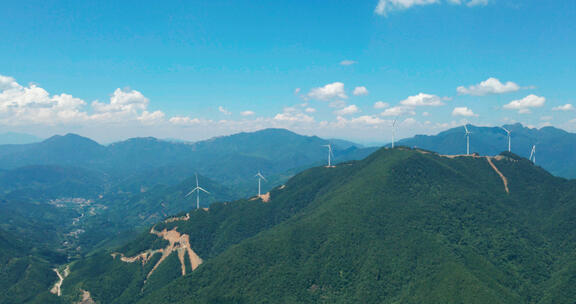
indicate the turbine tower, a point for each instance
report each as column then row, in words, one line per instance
column 260, row 178
column 467, row 140
column 197, row 189
column 394, row 131
column 533, row 154
column 330, row 154
column 509, row 139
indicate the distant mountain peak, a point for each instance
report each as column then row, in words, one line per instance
column 69, row 138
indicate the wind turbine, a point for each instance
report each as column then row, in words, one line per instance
column 467, row 140
column 394, row 131
column 197, row 189
column 330, row 154
column 260, row 178
column 533, row 154
column 509, row 138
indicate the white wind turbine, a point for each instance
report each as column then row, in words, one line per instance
column 467, row 140
column 394, row 131
column 509, row 138
column 330, row 154
column 533, row 154
column 197, row 189
column 260, row 178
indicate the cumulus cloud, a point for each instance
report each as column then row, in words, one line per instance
column 223, row 110
column 247, row 113
column 385, row 6
column 463, row 111
column 348, row 62
column 151, row 117
column 368, row 120
column 398, row 111
column 31, row 105
column 359, row 91
column 349, row 110
column 310, row 110
column 381, row 105
column 184, row 120
column 7, row 83
column 525, row 104
column 564, row 108
column 422, row 100
column 330, row 91
column 123, row 101
column 291, row 114
column 489, row 86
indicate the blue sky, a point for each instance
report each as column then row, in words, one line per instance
column 190, row 69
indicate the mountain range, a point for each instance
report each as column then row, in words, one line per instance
column 401, row 226
column 143, row 162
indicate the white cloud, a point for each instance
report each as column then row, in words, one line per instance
column 348, row 62
column 422, row 100
column 33, row 105
column 123, row 101
column 328, row 92
column 472, row 3
column 224, row 111
column 455, row 2
column 463, row 111
column 151, row 117
column 425, row 114
column 349, row 110
column 381, row 105
column 489, row 86
column 184, row 120
column 291, row 114
column 368, row 120
column 385, row 6
column 398, row 111
column 525, row 104
column 247, row 113
column 359, row 91
column 7, row 83
column 20, row 105
column 297, row 91
column 564, row 108
column 546, row 118
column 310, row 110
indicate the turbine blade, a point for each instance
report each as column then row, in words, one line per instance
column 190, row 192
column 202, row 189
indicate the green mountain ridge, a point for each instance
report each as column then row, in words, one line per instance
column 401, row 226
column 554, row 147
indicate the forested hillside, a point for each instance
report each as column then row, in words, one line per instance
column 402, row 226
